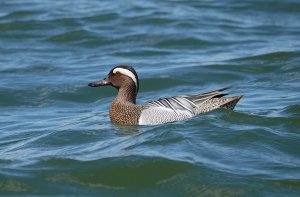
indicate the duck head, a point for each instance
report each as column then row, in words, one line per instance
column 122, row 77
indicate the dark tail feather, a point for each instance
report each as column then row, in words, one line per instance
column 220, row 95
column 232, row 101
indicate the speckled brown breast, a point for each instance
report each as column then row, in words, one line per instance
column 124, row 113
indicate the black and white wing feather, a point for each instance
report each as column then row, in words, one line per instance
column 176, row 108
column 188, row 102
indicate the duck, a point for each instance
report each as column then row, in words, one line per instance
column 125, row 111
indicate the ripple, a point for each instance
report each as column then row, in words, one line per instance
column 292, row 111
column 106, row 17
column 22, row 14
column 182, row 43
column 270, row 56
column 73, row 36
column 31, row 69
column 21, row 26
column 112, row 172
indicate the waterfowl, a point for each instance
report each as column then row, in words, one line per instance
column 124, row 110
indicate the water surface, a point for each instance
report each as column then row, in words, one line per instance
column 55, row 133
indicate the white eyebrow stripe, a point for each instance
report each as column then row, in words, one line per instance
column 127, row 73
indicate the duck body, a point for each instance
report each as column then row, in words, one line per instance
column 124, row 110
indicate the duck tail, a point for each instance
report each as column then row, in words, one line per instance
column 230, row 102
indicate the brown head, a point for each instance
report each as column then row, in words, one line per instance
column 125, row 79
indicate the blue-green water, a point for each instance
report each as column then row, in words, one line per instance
column 55, row 135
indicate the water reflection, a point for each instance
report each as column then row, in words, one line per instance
column 127, row 130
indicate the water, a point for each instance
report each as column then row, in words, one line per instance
column 55, row 133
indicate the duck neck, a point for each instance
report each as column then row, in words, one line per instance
column 127, row 94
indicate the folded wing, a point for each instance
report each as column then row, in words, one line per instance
column 183, row 107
